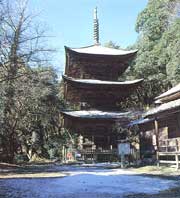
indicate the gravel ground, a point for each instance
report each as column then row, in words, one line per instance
column 84, row 182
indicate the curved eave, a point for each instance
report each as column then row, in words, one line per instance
column 101, row 83
column 164, row 108
column 140, row 121
column 98, row 115
column 82, row 51
column 168, row 98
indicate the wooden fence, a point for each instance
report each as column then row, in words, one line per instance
column 169, row 149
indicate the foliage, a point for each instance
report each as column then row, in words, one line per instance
column 30, row 103
column 157, row 60
column 126, row 133
column 111, row 44
column 158, row 44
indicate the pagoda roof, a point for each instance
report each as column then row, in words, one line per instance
column 102, row 82
column 95, row 114
column 100, row 50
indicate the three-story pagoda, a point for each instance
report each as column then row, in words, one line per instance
column 91, row 85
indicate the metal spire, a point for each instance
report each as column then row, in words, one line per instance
column 96, row 28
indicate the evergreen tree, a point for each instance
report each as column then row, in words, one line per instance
column 158, row 56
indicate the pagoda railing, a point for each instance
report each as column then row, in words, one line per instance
column 98, row 151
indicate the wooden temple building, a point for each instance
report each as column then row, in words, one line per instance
column 92, row 90
column 160, row 128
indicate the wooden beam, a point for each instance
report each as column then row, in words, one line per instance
column 168, row 153
column 167, row 162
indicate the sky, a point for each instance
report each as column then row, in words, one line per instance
column 70, row 22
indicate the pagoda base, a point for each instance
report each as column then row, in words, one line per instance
column 97, row 132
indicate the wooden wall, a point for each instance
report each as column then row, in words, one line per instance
column 96, row 67
column 101, row 129
column 169, row 128
column 104, row 98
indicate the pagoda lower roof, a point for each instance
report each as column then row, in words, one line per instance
column 95, row 114
column 100, row 50
column 102, row 82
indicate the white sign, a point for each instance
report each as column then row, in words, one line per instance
column 124, row 149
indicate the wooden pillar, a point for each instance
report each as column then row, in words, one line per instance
column 176, row 156
column 93, row 156
column 177, row 146
column 156, row 126
column 64, row 154
column 108, row 141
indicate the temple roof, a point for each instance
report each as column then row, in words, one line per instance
column 169, row 95
column 94, row 114
column 100, row 50
column 140, row 121
column 164, row 107
column 102, row 82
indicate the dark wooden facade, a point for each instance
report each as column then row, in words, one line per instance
column 96, row 66
column 98, row 96
column 162, row 131
column 98, row 130
column 168, row 131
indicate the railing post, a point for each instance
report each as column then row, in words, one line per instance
column 157, row 158
column 177, row 161
column 177, row 145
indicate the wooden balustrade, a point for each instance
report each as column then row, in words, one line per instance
column 169, row 148
column 169, row 145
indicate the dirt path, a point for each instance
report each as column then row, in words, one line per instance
column 9, row 171
column 47, row 181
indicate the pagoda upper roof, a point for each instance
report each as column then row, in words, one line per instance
column 95, row 114
column 100, row 50
column 102, row 82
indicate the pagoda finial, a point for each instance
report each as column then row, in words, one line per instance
column 96, row 28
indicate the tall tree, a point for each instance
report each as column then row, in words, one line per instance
column 37, row 112
column 22, row 47
column 157, row 51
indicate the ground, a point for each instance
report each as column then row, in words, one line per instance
column 82, row 181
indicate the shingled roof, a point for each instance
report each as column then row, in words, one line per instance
column 101, row 82
column 171, row 94
column 100, row 50
column 172, row 105
column 94, row 114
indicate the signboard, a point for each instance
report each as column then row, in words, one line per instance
column 124, row 148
